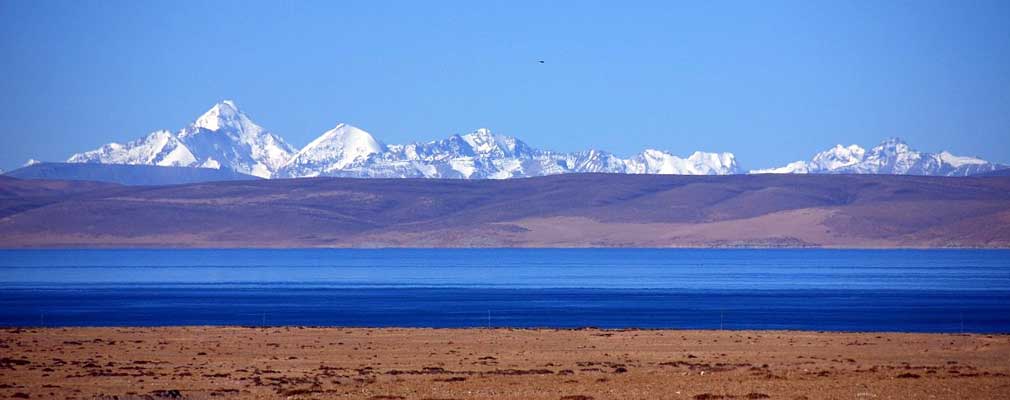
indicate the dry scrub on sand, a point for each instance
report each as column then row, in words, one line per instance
column 294, row 362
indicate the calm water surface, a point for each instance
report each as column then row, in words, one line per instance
column 860, row 290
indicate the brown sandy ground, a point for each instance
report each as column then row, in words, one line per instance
column 295, row 363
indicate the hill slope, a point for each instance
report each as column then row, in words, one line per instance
column 557, row 211
column 126, row 174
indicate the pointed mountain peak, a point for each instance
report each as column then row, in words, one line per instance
column 348, row 134
column 225, row 135
column 484, row 141
column 227, row 106
column 338, row 147
column 484, row 132
column 481, row 135
column 222, row 114
column 892, row 146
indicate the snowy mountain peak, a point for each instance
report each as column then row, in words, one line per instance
column 960, row 161
column 223, row 137
column 891, row 156
column 652, row 161
column 335, row 149
column 838, row 157
column 484, row 132
column 892, row 146
column 717, row 160
column 223, row 114
column 350, row 140
column 157, row 148
column 486, row 143
column 852, row 150
column 480, row 154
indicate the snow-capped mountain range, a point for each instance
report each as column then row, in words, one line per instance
column 225, row 137
column 351, row 152
column 221, row 137
column 892, row 156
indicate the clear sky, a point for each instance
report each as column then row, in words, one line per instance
column 770, row 81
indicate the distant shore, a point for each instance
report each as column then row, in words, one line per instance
column 398, row 363
column 238, row 246
column 567, row 211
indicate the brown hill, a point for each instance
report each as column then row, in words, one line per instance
column 575, row 210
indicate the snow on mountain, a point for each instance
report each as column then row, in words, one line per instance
column 223, row 137
column 659, row 162
column 226, row 137
column 30, row 162
column 838, row 157
column 334, row 150
column 795, row 167
column 350, row 152
column 157, row 148
column 892, row 156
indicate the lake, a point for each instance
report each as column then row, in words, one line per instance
column 834, row 290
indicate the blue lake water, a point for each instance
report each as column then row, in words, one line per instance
column 849, row 290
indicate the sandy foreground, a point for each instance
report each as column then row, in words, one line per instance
column 294, row 362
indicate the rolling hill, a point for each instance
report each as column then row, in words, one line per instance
column 124, row 174
column 576, row 210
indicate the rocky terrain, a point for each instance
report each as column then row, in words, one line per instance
column 586, row 364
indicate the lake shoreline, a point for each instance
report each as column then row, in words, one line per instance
column 478, row 363
column 18, row 328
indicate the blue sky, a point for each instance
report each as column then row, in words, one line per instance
column 770, row 81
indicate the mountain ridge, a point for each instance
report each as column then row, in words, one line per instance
column 892, row 156
column 225, row 137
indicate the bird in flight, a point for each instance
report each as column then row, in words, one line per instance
column 541, row 61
